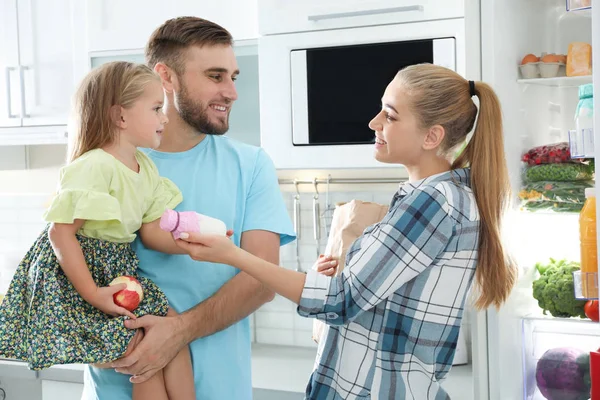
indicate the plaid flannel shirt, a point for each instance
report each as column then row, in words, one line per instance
column 394, row 313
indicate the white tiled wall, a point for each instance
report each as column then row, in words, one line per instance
column 20, row 224
column 277, row 322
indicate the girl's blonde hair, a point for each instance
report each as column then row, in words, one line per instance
column 440, row 96
column 116, row 83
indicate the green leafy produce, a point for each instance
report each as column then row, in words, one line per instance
column 565, row 192
column 554, row 289
column 551, row 206
column 559, row 172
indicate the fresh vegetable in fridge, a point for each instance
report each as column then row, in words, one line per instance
column 554, row 206
column 565, row 192
column 559, row 172
column 559, row 375
column 583, row 361
column 548, row 154
column 591, row 310
column 554, row 289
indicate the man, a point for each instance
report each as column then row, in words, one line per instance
column 221, row 178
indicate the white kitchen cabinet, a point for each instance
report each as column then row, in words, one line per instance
column 284, row 16
column 110, row 21
column 56, row 390
column 40, row 68
column 45, row 61
column 21, row 389
column 9, row 62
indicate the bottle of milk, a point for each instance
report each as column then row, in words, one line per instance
column 177, row 222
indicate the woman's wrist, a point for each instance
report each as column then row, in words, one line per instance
column 235, row 257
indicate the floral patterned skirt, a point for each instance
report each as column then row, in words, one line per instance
column 44, row 321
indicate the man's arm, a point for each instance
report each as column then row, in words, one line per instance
column 239, row 297
column 164, row 337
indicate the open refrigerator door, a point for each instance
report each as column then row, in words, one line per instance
column 534, row 53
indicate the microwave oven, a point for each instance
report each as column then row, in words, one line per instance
column 319, row 90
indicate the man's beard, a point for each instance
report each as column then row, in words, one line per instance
column 195, row 115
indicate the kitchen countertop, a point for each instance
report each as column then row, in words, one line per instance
column 288, row 368
column 273, row 368
column 281, row 367
column 276, row 368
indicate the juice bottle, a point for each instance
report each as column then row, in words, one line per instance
column 589, row 252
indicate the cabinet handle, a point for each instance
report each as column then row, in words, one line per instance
column 8, row 94
column 318, row 17
column 22, row 87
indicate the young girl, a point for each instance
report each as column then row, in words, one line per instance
column 394, row 313
column 59, row 308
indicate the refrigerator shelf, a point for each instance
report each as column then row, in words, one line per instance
column 582, row 7
column 585, row 285
column 559, row 81
column 573, row 325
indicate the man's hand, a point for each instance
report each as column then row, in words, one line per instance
column 163, row 339
column 137, row 338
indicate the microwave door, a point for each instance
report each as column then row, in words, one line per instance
column 336, row 91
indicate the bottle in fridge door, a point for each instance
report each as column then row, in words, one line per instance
column 581, row 140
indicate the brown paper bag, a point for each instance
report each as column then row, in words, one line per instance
column 348, row 223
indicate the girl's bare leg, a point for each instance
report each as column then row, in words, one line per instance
column 174, row 382
column 154, row 388
column 178, row 374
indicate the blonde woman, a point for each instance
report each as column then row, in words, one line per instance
column 394, row 314
column 59, row 308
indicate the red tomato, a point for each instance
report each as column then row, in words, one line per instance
column 591, row 310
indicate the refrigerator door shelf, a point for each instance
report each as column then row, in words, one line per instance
column 585, row 285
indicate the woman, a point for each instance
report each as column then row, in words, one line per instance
column 394, row 313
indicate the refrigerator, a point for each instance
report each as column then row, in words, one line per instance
column 507, row 343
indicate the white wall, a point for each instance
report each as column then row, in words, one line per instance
column 32, row 169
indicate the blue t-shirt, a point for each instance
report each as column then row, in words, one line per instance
column 236, row 183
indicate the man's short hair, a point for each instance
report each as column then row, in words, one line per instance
column 169, row 41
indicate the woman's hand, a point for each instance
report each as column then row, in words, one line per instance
column 212, row 248
column 326, row 265
column 102, row 299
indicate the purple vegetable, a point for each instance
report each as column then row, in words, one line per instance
column 560, row 377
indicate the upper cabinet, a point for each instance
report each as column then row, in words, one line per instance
column 36, row 55
column 38, row 67
column 121, row 25
column 284, row 16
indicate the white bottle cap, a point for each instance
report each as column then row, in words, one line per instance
column 590, row 192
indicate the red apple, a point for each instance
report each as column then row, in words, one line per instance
column 130, row 297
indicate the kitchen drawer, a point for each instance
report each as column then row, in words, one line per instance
column 284, row 16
